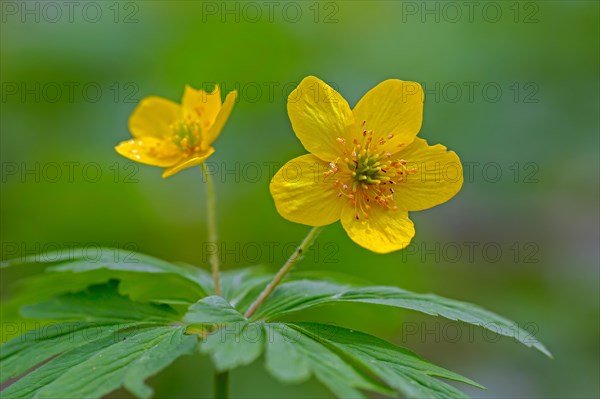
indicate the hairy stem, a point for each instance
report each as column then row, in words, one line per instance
column 221, row 389
column 212, row 227
column 308, row 241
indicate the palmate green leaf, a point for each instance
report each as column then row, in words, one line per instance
column 438, row 306
column 158, row 298
column 293, row 296
column 236, row 342
column 140, row 263
column 241, row 286
column 234, row 345
column 399, row 368
column 346, row 362
column 293, row 357
column 143, row 278
column 34, row 347
column 187, row 281
column 87, row 257
column 101, row 303
column 118, row 343
column 225, row 333
column 59, row 256
column 285, row 360
column 296, row 295
column 115, row 263
column 100, row 366
column 212, row 309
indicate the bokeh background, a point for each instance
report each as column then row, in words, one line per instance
column 512, row 87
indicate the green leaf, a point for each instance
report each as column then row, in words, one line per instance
column 285, row 360
column 229, row 339
column 60, row 256
column 242, row 286
column 100, row 303
column 292, row 356
column 169, row 289
column 99, row 255
column 100, row 366
column 92, row 359
column 289, row 358
column 140, row 263
column 33, row 347
column 234, row 345
column 157, row 302
column 141, row 275
column 298, row 295
column 401, row 369
column 293, row 296
column 438, row 306
column 212, row 309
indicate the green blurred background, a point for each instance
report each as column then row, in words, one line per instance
column 512, row 87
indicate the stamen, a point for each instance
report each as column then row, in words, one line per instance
column 187, row 134
column 368, row 170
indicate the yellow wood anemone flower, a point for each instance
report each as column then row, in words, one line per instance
column 176, row 136
column 366, row 166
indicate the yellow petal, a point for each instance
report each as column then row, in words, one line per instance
column 438, row 177
column 384, row 231
column 393, row 108
column 215, row 129
column 150, row 150
column 153, row 117
column 319, row 115
column 188, row 163
column 204, row 106
column 303, row 195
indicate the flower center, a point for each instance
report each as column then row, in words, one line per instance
column 187, row 134
column 367, row 169
column 372, row 174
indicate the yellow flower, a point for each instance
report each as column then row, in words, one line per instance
column 366, row 166
column 176, row 136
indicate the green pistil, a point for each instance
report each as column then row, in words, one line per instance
column 186, row 134
column 368, row 170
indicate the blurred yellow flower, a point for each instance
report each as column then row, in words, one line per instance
column 176, row 136
column 366, row 166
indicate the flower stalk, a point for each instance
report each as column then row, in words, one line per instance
column 212, row 227
column 293, row 259
column 221, row 388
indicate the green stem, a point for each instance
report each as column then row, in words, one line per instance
column 221, row 385
column 212, row 227
column 308, row 241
